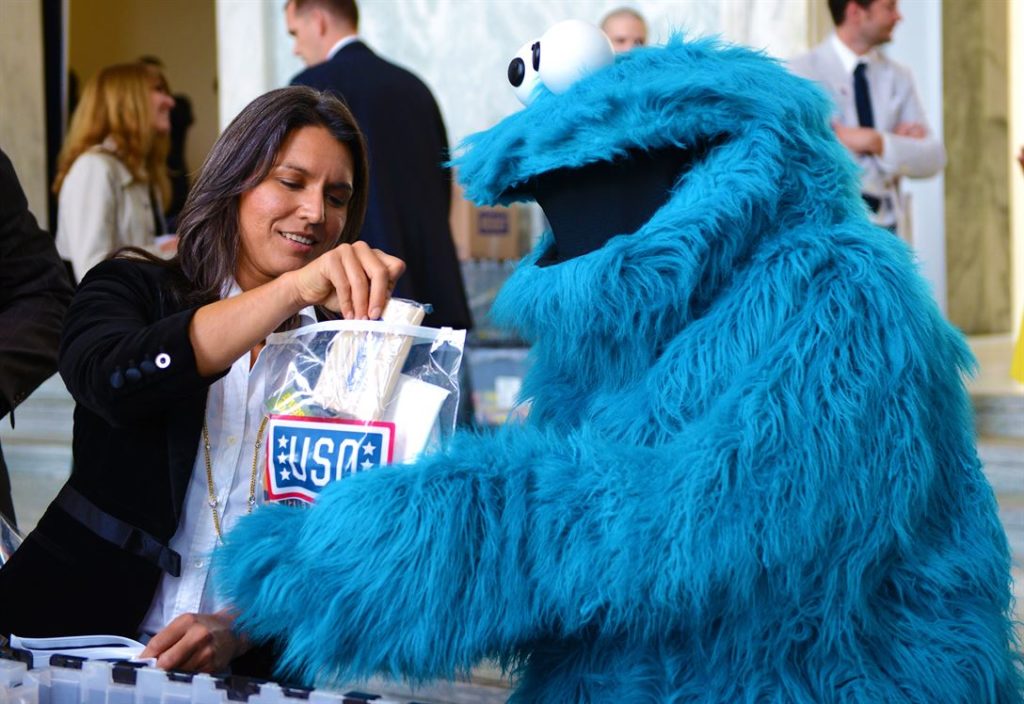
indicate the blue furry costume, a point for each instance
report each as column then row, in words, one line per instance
column 748, row 472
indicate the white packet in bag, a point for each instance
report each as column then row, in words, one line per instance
column 348, row 396
column 361, row 369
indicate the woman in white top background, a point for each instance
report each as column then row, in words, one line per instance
column 111, row 173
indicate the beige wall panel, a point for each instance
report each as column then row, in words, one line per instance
column 180, row 32
column 819, row 22
column 1016, row 42
column 22, row 116
column 977, row 203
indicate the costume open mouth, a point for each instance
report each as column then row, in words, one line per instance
column 588, row 205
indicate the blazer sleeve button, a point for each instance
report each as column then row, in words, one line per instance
column 132, row 374
column 117, row 379
column 147, row 367
column 163, row 360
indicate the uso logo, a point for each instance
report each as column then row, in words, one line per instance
column 306, row 454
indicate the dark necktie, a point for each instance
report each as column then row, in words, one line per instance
column 865, row 116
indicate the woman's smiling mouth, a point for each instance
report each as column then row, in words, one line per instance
column 300, row 239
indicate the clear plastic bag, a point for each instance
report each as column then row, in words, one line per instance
column 10, row 539
column 347, row 396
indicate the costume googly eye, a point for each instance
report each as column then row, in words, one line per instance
column 565, row 53
column 522, row 71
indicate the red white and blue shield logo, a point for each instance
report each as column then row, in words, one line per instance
column 305, row 454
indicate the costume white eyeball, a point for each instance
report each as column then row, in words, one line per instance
column 567, row 52
column 522, row 71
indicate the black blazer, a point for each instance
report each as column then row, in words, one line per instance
column 34, row 294
column 93, row 562
column 410, row 188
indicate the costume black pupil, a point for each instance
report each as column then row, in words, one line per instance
column 516, row 72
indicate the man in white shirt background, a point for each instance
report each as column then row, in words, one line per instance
column 878, row 116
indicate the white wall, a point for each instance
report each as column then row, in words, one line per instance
column 180, row 33
column 244, row 47
column 461, row 48
column 917, row 43
column 1016, row 78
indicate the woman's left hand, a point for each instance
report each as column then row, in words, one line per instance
column 196, row 643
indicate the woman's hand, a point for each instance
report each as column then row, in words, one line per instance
column 196, row 643
column 859, row 140
column 351, row 279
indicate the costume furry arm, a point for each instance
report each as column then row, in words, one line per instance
column 828, row 438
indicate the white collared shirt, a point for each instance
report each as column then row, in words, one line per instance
column 234, row 409
column 893, row 101
column 847, row 57
column 885, row 187
column 341, row 44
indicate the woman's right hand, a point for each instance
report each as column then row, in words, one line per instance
column 352, row 279
column 196, row 643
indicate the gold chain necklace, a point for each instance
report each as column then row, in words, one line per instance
column 212, row 492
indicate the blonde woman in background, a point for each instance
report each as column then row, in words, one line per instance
column 111, row 173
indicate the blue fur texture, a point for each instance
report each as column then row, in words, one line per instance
column 748, row 473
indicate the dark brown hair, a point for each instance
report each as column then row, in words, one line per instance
column 344, row 9
column 837, row 8
column 242, row 157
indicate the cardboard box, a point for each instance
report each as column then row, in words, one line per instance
column 487, row 232
column 494, row 233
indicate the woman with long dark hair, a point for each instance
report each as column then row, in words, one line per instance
column 162, row 358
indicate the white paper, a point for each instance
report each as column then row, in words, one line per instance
column 96, row 647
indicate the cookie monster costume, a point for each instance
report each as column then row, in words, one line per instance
column 748, row 472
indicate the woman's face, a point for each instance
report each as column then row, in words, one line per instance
column 161, row 103
column 298, row 211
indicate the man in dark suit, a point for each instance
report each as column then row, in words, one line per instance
column 410, row 190
column 34, row 294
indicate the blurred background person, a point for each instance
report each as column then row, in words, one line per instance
column 112, row 178
column 177, row 167
column 626, row 28
column 879, row 117
column 410, row 188
column 34, row 294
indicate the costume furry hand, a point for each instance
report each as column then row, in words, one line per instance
column 748, row 473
